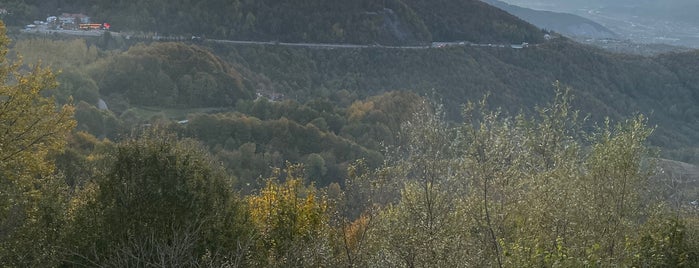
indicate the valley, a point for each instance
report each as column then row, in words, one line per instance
column 646, row 22
column 328, row 133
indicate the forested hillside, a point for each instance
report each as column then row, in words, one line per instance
column 320, row 21
column 605, row 84
column 473, row 20
column 201, row 154
column 171, row 75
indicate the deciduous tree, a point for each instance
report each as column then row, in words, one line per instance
column 292, row 221
column 31, row 128
column 161, row 201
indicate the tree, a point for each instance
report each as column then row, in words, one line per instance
column 31, row 196
column 544, row 193
column 31, row 125
column 292, row 221
column 520, row 191
column 161, row 201
column 316, row 168
column 421, row 228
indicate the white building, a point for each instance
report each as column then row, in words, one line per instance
column 67, row 18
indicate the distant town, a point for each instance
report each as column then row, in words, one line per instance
column 67, row 21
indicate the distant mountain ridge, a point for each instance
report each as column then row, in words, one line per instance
column 673, row 22
column 564, row 23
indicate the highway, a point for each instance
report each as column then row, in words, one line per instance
column 274, row 43
column 311, row 45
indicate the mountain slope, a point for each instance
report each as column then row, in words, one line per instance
column 320, row 21
column 171, row 75
column 473, row 20
column 605, row 84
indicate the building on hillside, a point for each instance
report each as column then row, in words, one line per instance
column 84, row 19
column 68, row 18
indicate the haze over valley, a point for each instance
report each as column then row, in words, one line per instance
column 671, row 22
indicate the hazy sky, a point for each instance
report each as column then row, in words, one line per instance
column 631, row 5
column 671, row 10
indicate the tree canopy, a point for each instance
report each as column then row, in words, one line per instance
column 32, row 130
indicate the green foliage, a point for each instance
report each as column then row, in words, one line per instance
column 613, row 85
column 518, row 191
column 102, row 123
column 666, row 242
column 250, row 146
column 421, row 228
column 74, row 58
column 160, row 201
column 80, row 161
column 315, row 166
column 542, row 188
column 538, row 206
column 18, row 12
column 517, row 80
column 473, row 21
column 170, row 75
column 76, row 86
column 375, row 121
column 64, row 54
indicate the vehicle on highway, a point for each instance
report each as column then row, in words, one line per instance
column 94, row 26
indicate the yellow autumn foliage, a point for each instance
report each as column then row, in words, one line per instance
column 287, row 213
column 32, row 128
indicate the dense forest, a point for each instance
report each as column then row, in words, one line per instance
column 125, row 154
column 606, row 84
column 381, row 181
column 360, row 21
column 330, row 88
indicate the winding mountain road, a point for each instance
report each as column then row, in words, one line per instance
column 355, row 46
column 273, row 43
